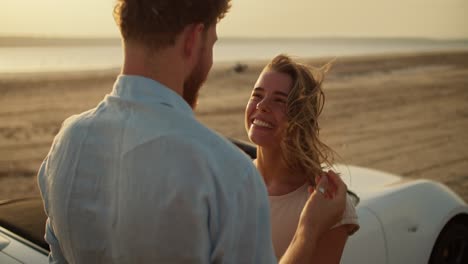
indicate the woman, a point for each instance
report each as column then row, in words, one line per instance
column 282, row 120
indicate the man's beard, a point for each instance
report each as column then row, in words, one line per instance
column 192, row 85
column 195, row 80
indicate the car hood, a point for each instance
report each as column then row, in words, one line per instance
column 365, row 181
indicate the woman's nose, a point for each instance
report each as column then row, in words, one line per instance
column 263, row 106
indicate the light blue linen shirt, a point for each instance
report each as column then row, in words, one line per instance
column 139, row 180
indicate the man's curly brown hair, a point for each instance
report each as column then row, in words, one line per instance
column 156, row 23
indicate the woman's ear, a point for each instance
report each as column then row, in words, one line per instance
column 193, row 39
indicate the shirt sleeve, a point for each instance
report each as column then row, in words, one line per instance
column 55, row 255
column 349, row 219
column 245, row 235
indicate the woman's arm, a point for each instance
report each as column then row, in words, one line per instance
column 313, row 227
column 330, row 247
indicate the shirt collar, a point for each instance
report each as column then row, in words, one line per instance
column 149, row 92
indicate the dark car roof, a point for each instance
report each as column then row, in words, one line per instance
column 248, row 148
column 26, row 218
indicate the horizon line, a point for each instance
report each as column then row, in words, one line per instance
column 36, row 41
column 85, row 38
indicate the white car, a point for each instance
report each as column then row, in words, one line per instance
column 402, row 221
column 405, row 221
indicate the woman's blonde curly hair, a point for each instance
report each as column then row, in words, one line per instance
column 303, row 151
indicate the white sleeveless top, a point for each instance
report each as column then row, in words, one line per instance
column 285, row 211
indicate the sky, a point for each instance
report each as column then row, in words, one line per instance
column 438, row 19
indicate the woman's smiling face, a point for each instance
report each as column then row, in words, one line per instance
column 266, row 112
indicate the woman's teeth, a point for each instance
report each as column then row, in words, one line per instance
column 262, row 123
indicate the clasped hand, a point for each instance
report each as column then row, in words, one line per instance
column 326, row 204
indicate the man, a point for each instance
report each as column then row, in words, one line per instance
column 139, row 180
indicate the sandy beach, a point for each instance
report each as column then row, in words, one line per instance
column 404, row 114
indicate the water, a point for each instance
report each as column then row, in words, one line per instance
column 75, row 58
column 53, row 58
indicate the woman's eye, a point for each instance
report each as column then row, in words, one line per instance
column 281, row 101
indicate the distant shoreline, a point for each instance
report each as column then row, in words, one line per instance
column 67, row 73
column 25, row 41
column 45, row 42
column 26, row 55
